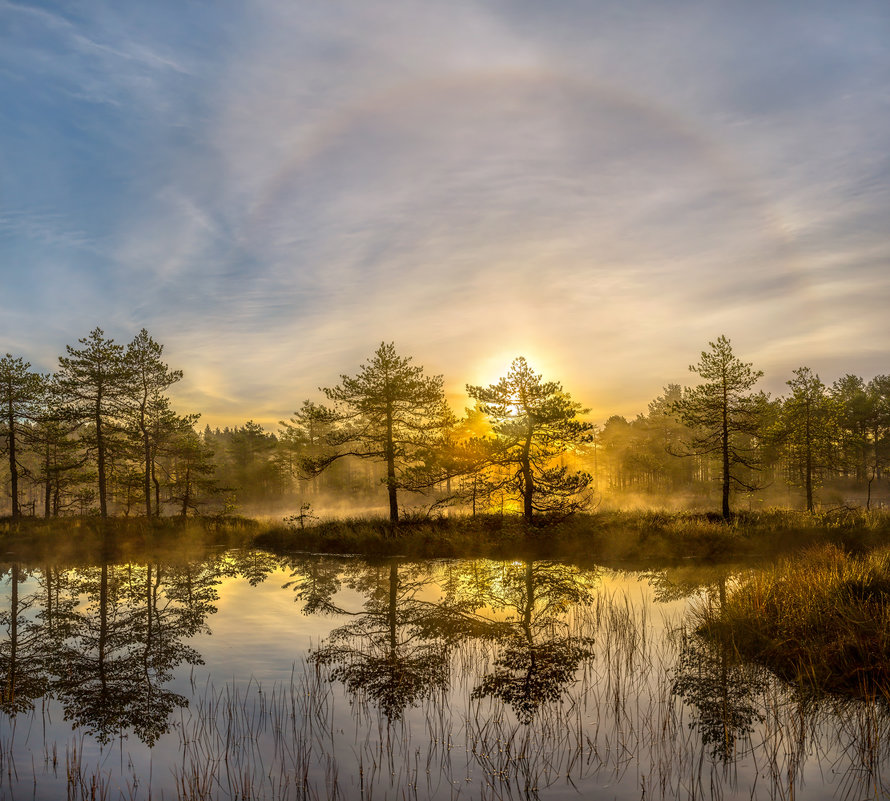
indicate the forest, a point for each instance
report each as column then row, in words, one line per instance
column 100, row 437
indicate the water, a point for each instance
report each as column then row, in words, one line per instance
column 241, row 675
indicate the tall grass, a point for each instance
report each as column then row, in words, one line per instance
column 820, row 619
column 629, row 538
column 86, row 539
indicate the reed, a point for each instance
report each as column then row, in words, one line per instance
column 820, row 619
column 638, row 538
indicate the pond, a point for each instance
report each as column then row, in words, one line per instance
column 237, row 674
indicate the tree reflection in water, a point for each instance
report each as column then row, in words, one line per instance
column 724, row 692
column 122, row 646
column 397, row 649
column 522, row 607
column 394, row 650
column 105, row 641
column 514, row 724
column 22, row 674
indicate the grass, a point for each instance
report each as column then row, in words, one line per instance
column 820, row 620
column 622, row 538
column 625, row 539
column 79, row 539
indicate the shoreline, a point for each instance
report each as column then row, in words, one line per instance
column 630, row 539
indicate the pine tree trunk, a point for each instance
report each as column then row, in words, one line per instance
column 391, row 470
column 528, row 487
column 9, row 690
column 725, row 444
column 393, row 492
column 100, row 458
column 809, row 460
column 13, row 466
column 103, row 624
column 147, row 478
column 157, row 484
column 393, row 604
column 185, row 497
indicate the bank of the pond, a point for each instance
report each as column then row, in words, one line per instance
column 78, row 539
column 633, row 538
column 820, row 619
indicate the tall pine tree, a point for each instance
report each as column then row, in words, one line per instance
column 96, row 383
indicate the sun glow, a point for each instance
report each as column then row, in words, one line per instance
column 490, row 368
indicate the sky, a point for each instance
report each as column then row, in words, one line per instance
column 274, row 187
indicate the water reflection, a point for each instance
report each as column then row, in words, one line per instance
column 505, row 678
column 724, row 693
column 105, row 641
column 522, row 607
column 22, row 674
column 396, row 648
column 699, row 581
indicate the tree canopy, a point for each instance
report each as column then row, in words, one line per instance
column 389, row 411
column 534, row 422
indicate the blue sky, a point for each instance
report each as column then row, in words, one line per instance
column 273, row 188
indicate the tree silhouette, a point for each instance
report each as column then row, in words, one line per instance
column 724, row 415
column 533, row 423
column 95, row 381
column 390, row 411
column 878, row 390
column 151, row 377
column 190, row 473
column 808, row 430
column 60, row 461
column 20, row 395
column 302, row 439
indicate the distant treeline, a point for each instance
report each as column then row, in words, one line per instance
column 99, row 436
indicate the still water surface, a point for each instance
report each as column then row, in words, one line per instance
column 242, row 675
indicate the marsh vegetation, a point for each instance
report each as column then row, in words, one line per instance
column 821, row 619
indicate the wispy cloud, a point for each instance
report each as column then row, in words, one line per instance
column 604, row 185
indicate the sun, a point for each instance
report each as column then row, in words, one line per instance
column 489, row 368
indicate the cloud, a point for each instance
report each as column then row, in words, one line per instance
column 605, row 186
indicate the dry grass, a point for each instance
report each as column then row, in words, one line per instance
column 821, row 620
column 642, row 538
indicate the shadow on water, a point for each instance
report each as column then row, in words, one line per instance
column 433, row 679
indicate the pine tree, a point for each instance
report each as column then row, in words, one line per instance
column 20, row 395
column 808, row 430
column 725, row 415
column 534, row 422
column 151, row 378
column 390, row 411
column 96, row 382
